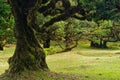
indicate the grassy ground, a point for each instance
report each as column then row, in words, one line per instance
column 104, row 67
column 84, row 63
column 41, row 75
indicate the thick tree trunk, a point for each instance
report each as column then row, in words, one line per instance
column 28, row 55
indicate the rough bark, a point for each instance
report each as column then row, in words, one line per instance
column 28, row 54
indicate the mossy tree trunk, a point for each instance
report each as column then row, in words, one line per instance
column 28, row 54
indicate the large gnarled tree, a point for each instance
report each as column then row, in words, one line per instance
column 28, row 54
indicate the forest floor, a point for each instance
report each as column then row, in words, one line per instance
column 78, row 64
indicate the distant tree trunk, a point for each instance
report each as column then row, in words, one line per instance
column 104, row 44
column 101, row 43
column 69, row 48
column 28, row 54
column 94, row 45
column 67, row 43
column 1, row 47
column 46, row 43
column 70, row 43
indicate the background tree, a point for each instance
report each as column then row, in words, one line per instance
column 105, row 33
column 97, row 11
column 73, row 34
column 59, row 8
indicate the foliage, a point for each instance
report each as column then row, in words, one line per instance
column 50, row 51
column 6, row 23
column 57, row 31
column 106, row 32
column 101, row 9
column 96, row 13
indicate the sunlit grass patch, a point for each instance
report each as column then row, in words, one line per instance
column 94, row 52
column 92, row 68
column 4, row 56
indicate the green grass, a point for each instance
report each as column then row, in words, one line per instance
column 79, row 64
column 41, row 75
column 4, row 55
column 92, row 68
